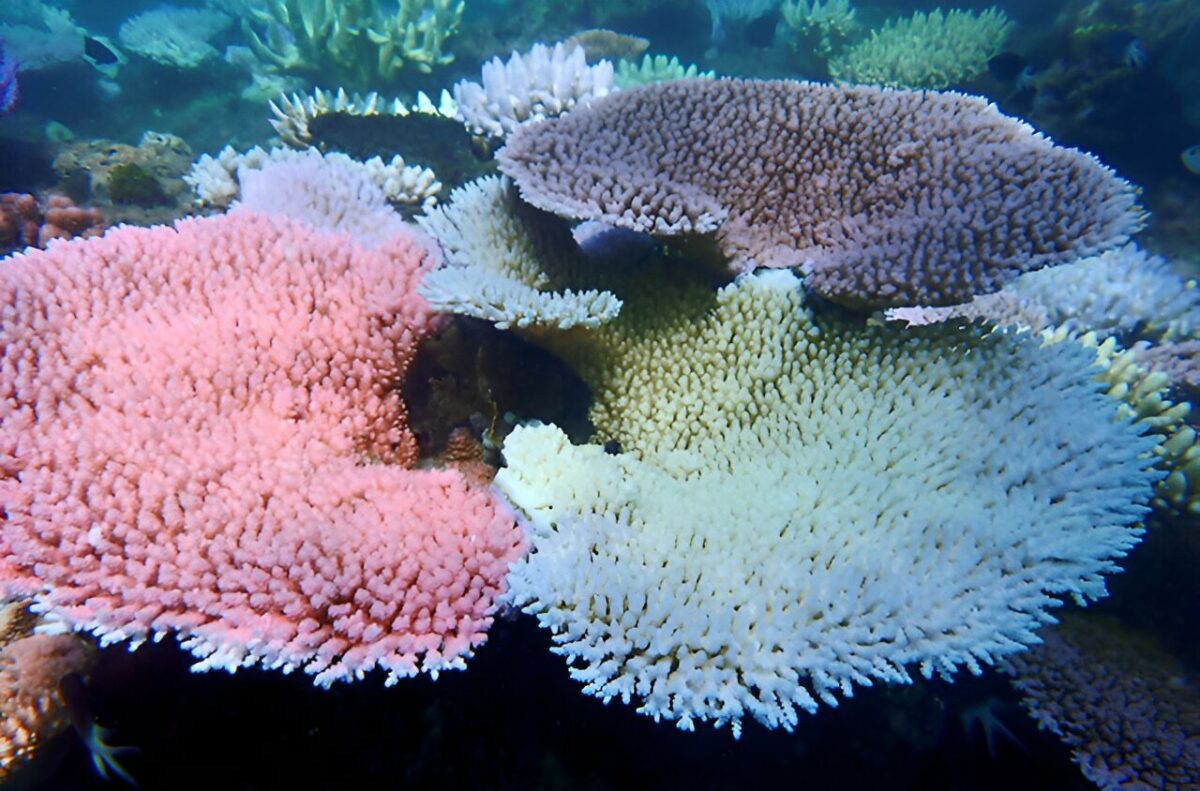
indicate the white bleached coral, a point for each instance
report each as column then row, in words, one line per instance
column 505, row 266
column 216, row 180
column 802, row 507
column 545, row 82
column 1124, row 290
column 174, row 36
column 293, row 115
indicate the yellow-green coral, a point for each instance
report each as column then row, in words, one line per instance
column 1144, row 396
column 655, row 68
column 831, row 22
column 933, row 50
column 353, row 41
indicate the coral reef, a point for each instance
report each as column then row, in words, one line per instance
column 329, row 193
column 366, row 127
column 740, row 10
column 32, row 707
column 599, row 44
column 293, row 115
column 507, row 265
column 1124, row 292
column 655, row 68
column 130, row 183
column 831, row 24
column 218, row 180
column 50, row 39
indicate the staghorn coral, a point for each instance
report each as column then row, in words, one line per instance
column 831, row 23
column 1120, row 703
column 882, row 197
column 804, row 506
column 201, row 432
column 932, row 50
column 356, row 42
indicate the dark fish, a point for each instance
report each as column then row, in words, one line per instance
column 104, row 755
column 100, row 53
column 1006, row 67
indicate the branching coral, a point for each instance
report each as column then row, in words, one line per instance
column 352, row 41
column 932, row 50
column 830, row 23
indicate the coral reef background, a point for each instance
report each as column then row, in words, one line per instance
column 360, row 116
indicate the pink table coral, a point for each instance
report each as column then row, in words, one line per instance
column 201, row 431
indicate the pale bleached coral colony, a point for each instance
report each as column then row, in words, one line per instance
column 785, row 495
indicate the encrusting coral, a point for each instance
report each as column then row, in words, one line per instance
column 883, row 198
column 801, row 506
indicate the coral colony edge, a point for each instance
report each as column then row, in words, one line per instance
column 791, row 414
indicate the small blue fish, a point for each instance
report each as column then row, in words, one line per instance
column 1191, row 158
column 602, row 242
column 8, row 81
